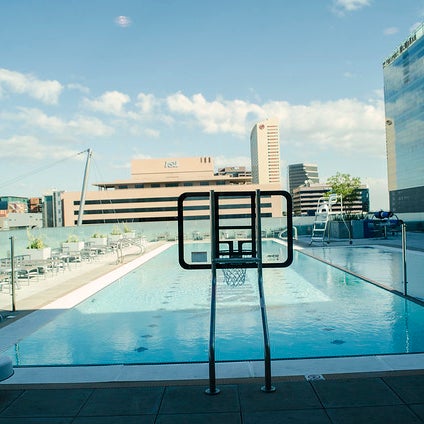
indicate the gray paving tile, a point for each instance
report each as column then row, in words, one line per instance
column 123, row 419
column 39, row 420
column 8, row 396
column 288, row 395
column 192, row 399
column 394, row 414
column 410, row 388
column 123, row 401
column 48, row 403
column 215, row 418
column 355, row 392
column 309, row 416
column 418, row 409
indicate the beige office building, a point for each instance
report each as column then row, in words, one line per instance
column 265, row 152
column 151, row 193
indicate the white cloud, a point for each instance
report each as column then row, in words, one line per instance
column 344, row 125
column 415, row 26
column 111, row 103
column 90, row 126
column 81, row 125
column 123, row 21
column 342, row 6
column 33, row 117
column 147, row 103
column 379, row 192
column 47, row 91
column 223, row 161
column 78, row 87
column 349, row 75
column 391, row 31
column 152, row 133
column 29, row 147
column 215, row 116
column 142, row 156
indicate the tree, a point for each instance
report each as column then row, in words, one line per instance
column 346, row 186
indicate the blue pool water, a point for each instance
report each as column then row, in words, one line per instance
column 159, row 313
column 381, row 264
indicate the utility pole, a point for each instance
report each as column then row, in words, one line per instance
column 84, row 187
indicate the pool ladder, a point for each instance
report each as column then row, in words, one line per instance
column 242, row 257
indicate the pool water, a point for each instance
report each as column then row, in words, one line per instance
column 159, row 313
column 381, row 264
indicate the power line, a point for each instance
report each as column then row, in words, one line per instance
column 37, row 170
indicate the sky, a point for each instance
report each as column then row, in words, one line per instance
column 186, row 78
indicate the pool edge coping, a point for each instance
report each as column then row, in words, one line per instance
column 225, row 371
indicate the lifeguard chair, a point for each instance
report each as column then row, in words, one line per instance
column 324, row 215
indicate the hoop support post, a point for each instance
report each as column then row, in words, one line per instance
column 212, row 390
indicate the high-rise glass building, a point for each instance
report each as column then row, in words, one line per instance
column 403, row 95
column 299, row 174
column 265, row 152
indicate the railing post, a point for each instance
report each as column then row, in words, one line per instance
column 405, row 280
column 12, row 270
column 213, row 390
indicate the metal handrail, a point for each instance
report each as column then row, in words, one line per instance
column 125, row 242
column 267, row 348
column 256, row 261
column 405, row 281
column 282, row 232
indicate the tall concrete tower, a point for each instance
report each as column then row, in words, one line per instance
column 265, row 152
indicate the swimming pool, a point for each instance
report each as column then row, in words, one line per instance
column 159, row 313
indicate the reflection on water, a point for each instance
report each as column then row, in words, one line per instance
column 380, row 264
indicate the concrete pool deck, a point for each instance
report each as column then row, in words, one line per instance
column 376, row 389
column 383, row 398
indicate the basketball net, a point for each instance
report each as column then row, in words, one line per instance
column 234, row 276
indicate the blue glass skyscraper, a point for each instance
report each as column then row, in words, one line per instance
column 404, row 103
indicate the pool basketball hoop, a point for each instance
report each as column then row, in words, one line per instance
column 235, row 245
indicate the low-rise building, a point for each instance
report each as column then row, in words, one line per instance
column 152, row 191
column 15, row 213
column 305, row 200
column 299, row 174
